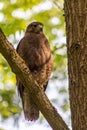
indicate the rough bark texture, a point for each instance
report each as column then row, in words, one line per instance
column 20, row 69
column 76, row 29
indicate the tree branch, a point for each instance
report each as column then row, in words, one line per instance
column 21, row 70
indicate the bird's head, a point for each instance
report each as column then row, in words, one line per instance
column 35, row 27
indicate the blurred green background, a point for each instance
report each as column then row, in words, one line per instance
column 15, row 15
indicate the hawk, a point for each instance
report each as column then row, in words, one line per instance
column 35, row 51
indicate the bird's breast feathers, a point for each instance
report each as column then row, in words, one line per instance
column 36, row 50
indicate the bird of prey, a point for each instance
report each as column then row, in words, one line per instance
column 34, row 48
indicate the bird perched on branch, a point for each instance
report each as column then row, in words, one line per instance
column 35, row 50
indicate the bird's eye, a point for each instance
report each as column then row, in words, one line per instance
column 35, row 25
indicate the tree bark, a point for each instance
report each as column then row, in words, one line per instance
column 76, row 30
column 20, row 69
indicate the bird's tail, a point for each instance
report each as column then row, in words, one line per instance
column 31, row 111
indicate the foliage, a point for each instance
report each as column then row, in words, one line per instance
column 15, row 16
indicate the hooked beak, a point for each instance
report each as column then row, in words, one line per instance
column 40, row 28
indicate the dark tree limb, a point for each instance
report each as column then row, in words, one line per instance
column 76, row 31
column 20, row 69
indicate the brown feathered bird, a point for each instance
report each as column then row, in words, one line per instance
column 35, row 50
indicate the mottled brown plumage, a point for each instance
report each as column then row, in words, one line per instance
column 35, row 50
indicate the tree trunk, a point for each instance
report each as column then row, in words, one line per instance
column 76, row 30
